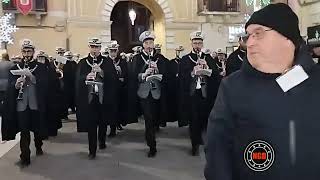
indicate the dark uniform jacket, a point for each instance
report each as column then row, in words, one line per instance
column 251, row 106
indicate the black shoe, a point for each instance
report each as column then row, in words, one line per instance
column 119, row 127
column 23, row 163
column 195, row 151
column 152, row 152
column 92, row 156
column 39, row 152
column 102, row 146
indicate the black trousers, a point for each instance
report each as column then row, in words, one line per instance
column 96, row 122
column 27, row 120
column 199, row 118
column 71, row 101
column 150, row 108
column 2, row 95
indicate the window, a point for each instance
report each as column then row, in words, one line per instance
column 218, row 5
column 38, row 5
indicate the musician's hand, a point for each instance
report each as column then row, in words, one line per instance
column 156, row 70
column 223, row 73
column 19, row 83
column 195, row 69
column 29, row 74
column 91, row 76
column 153, row 64
column 97, row 69
column 203, row 63
column 118, row 69
column 149, row 71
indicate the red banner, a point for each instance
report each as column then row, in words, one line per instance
column 24, row 6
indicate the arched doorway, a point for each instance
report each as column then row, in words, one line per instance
column 123, row 30
column 161, row 13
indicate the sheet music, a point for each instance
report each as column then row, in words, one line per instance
column 93, row 83
column 61, row 59
column 203, row 72
column 157, row 77
column 20, row 72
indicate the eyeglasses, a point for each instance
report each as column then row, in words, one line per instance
column 93, row 46
column 27, row 51
column 113, row 50
column 257, row 34
column 197, row 43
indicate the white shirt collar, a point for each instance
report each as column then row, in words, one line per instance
column 200, row 53
column 151, row 54
column 92, row 56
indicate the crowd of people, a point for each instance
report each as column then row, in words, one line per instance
column 107, row 88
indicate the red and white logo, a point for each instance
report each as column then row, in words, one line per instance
column 24, row 6
column 259, row 155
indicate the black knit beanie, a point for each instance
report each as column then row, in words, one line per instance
column 280, row 18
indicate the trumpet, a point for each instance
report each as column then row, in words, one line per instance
column 94, row 86
column 202, row 81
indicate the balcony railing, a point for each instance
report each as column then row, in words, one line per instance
column 218, row 6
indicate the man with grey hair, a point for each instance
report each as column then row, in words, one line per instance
column 265, row 121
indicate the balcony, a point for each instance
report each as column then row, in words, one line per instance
column 218, row 7
column 39, row 7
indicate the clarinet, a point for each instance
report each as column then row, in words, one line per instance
column 58, row 69
column 20, row 94
column 224, row 67
column 93, row 86
column 153, row 85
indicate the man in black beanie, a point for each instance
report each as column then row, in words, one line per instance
column 271, row 130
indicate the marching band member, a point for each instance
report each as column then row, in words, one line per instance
column 235, row 59
column 54, row 96
column 148, row 64
column 120, row 66
column 197, row 90
column 173, row 88
column 134, row 109
column 26, row 103
column 95, row 95
column 221, row 62
column 60, row 51
column 69, row 73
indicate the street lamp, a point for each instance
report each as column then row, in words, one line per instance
column 132, row 15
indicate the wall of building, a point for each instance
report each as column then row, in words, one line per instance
column 72, row 22
column 309, row 15
column 45, row 36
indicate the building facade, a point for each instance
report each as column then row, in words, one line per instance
column 69, row 23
